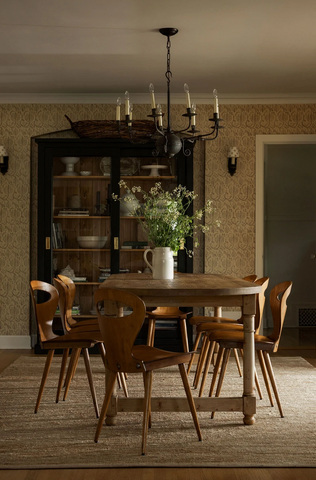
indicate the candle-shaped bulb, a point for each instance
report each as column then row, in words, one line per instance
column 118, row 109
column 159, row 111
column 215, row 101
column 152, row 94
column 193, row 110
column 127, row 103
column 187, row 91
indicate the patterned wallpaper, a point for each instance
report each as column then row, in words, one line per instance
column 230, row 249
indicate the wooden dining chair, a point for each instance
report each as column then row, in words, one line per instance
column 199, row 320
column 263, row 344
column 119, row 334
column 162, row 313
column 237, row 326
column 67, row 290
column 44, row 313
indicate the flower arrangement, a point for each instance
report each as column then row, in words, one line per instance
column 164, row 217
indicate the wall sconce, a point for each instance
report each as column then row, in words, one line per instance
column 4, row 160
column 233, row 154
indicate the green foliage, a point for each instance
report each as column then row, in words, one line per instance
column 164, row 217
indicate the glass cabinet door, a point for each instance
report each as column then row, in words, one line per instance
column 81, row 229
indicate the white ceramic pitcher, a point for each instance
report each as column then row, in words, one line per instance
column 163, row 264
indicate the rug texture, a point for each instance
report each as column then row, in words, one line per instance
column 61, row 435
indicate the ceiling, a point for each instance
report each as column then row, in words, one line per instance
column 240, row 47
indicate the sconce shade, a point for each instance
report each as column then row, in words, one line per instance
column 233, row 152
column 4, row 160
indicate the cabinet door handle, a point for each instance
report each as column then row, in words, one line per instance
column 47, row 243
column 116, row 243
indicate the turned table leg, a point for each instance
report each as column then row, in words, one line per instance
column 249, row 361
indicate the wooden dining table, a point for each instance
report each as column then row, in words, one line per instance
column 195, row 290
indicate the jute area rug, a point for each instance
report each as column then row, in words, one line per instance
column 61, row 435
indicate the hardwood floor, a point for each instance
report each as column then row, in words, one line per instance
column 294, row 344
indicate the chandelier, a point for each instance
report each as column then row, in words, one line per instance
column 168, row 141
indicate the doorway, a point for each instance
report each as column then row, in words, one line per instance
column 286, row 221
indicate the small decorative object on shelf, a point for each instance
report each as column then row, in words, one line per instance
column 91, row 241
column 154, row 169
column 70, row 163
column 105, row 166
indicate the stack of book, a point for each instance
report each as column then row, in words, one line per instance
column 104, row 276
column 166, row 324
column 136, row 245
column 75, row 310
column 66, row 212
column 58, row 237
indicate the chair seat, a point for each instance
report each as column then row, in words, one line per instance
column 234, row 339
column 197, row 320
column 156, row 358
column 208, row 327
column 69, row 341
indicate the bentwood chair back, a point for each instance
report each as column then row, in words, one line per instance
column 69, row 301
column 119, row 334
column 45, row 311
column 278, row 297
column 44, row 314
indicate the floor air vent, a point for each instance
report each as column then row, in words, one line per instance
column 307, row 317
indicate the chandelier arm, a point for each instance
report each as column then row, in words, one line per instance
column 215, row 129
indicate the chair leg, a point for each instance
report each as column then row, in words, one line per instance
column 222, row 374
column 44, row 378
column 123, row 382
column 207, row 367
column 201, row 362
column 190, row 399
column 90, row 379
column 235, row 351
column 70, row 366
column 147, row 409
column 265, row 376
column 216, row 369
column 151, row 332
column 184, row 334
column 258, row 384
column 272, row 380
column 102, row 351
column 196, row 344
column 62, row 372
column 70, row 372
column 109, row 390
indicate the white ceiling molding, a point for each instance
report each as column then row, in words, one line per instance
column 144, row 98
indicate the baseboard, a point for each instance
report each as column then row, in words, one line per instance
column 15, row 342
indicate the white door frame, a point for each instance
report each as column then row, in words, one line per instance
column 261, row 141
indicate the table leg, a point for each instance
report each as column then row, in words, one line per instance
column 249, row 370
column 112, row 308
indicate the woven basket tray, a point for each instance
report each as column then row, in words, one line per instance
column 108, row 129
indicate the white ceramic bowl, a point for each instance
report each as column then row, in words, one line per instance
column 91, row 241
column 85, row 173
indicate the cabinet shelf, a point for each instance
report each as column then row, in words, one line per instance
column 60, row 250
column 148, row 177
column 93, row 217
column 82, row 177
